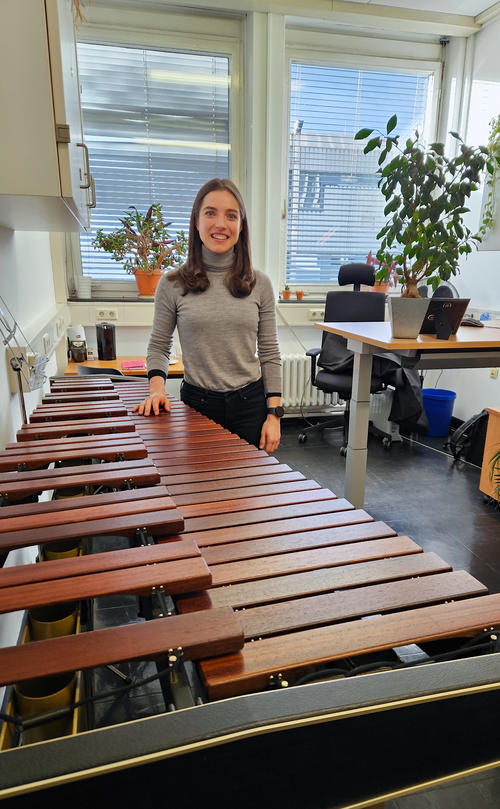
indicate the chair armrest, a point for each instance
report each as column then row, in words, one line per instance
column 313, row 353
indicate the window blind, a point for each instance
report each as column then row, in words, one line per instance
column 335, row 208
column 157, row 127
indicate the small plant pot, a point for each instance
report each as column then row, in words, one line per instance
column 286, row 294
column 407, row 316
column 299, row 294
column 147, row 282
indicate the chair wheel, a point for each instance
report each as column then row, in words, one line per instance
column 343, row 451
column 386, row 443
column 302, row 438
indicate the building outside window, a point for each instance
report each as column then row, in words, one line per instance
column 156, row 123
column 335, row 208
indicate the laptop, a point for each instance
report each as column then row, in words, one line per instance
column 444, row 314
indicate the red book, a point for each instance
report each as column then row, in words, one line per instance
column 133, row 364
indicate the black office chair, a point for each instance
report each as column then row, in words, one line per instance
column 88, row 370
column 344, row 307
column 444, row 290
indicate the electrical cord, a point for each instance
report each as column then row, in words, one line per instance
column 471, row 646
column 42, row 719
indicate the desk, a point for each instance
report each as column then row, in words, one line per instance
column 173, row 370
column 469, row 348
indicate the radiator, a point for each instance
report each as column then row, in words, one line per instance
column 297, row 388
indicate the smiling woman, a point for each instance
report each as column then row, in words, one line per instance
column 224, row 311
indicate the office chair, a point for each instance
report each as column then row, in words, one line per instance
column 444, row 290
column 344, row 307
column 88, row 370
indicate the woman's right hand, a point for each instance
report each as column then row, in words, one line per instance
column 153, row 404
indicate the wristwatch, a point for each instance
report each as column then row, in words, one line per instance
column 279, row 411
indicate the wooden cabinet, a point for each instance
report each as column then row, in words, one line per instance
column 45, row 181
column 491, row 445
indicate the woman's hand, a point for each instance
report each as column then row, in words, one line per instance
column 156, row 400
column 153, row 403
column 270, row 434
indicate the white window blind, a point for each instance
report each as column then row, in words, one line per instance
column 335, row 209
column 157, row 127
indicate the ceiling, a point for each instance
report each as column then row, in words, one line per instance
column 468, row 7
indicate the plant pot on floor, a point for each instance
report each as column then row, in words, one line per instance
column 147, row 282
column 407, row 315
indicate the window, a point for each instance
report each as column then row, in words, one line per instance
column 335, row 208
column 157, row 126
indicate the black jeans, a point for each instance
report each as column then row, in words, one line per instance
column 242, row 411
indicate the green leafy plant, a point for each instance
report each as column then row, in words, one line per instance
column 426, row 194
column 287, row 288
column 143, row 243
column 489, row 211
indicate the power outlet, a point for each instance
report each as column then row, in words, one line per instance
column 494, row 373
column 316, row 314
column 103, row 315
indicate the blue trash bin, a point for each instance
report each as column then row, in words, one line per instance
column 438, row 405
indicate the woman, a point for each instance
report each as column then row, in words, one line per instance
column 225, row 314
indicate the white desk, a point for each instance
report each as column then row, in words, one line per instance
column 469, row 348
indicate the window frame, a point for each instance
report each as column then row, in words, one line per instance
column 319, row 56
column 195, row 34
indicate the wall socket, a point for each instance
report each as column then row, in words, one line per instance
column 316, row 314
column 106, row 314
column 494, row 373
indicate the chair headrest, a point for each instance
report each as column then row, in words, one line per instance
column 356, row 273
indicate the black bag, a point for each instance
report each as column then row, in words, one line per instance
column 467, row 442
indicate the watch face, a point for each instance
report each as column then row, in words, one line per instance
column 277, row 411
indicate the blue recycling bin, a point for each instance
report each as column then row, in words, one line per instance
column 438, row 405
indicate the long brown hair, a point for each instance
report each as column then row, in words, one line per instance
column 240, row 279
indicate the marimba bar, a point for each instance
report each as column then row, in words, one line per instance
column 273, row 579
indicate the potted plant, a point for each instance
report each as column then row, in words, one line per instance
column 381, row 286
column 424, row 233
column 299, row 294
column 286, row 293
column 144, row 246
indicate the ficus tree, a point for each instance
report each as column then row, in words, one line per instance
column 427, row 196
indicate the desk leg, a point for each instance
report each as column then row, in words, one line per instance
column 357, row 450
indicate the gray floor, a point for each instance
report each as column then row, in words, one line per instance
column 419, row 490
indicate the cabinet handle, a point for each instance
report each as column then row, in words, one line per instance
column 94, row 199
column 87, row 164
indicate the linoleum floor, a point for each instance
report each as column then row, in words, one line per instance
column 419, row 490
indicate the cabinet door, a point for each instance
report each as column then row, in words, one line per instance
column 491, row 446
column 74, row 171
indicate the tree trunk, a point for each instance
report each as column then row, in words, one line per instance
column 410, row 290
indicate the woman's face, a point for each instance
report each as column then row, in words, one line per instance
column 219, row 221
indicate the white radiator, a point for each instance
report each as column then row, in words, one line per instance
column 297, row 388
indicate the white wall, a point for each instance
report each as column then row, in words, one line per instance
column 479, row 277
column 27, row 286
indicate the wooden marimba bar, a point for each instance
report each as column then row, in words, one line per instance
column 292, row 581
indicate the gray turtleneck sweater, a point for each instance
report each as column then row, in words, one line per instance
column 226, row 342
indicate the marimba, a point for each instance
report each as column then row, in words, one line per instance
column 286, row 618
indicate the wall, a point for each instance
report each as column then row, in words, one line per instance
column 26, row 285
column 479, row 277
